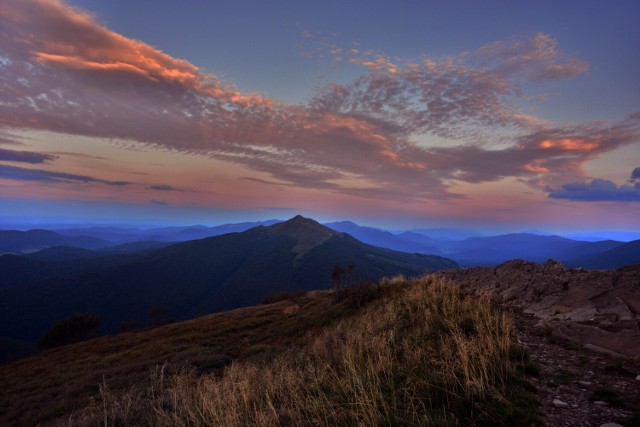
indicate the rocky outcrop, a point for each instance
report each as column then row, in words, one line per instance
column 598, row 309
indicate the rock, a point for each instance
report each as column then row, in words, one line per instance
column 581, row 314
column 600, row 403
column 560, row 404
column 616, row 308
column 638, row 378
column 611, row 425
column 584, row 383
column 602, row 350
column 596, row 309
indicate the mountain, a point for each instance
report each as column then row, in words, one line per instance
column 446, row 233
column 59, row 261
column 621, row 255
column 622, row 236
column 405, row 242
column 22, row 242
column 163, row 234
column 498, row 249
column 202, row 276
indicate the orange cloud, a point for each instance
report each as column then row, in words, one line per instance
column 570, row 144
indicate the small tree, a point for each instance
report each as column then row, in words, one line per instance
column 342, row 277
column 75, row 328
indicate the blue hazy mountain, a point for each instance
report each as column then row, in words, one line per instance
column 404, row 242
column 618, row 256
column 163, row 234
column 21, row 242
column 532, row 247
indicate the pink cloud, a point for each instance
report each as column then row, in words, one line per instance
column 535, row 59
column 64, row 72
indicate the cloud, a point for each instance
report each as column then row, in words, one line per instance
column 159, row 202
column 163, row 187
column 597, row 190
column 24, row 156
column 9, row 139
column 23, row 174
column 535, row 59
column 62, row 71
column 635, row 176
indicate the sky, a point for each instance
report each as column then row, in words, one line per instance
column 495, row 115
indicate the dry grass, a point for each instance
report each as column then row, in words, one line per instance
column 46, row 388
column 423, row 355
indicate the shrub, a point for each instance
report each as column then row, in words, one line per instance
column 75, row 328
column 607, row 394
column 359, row 295
column 342, row 277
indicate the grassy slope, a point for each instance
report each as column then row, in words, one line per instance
column 419, row 353
column 57, row 381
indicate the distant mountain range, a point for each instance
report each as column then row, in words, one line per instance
column 163, row 234
column 189, row 278
column 12, row 241
column 464, row 246
column 494, row 250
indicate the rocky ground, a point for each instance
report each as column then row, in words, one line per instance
column 576, row 386
column 581, row 330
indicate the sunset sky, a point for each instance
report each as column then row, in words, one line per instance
column 496, row 115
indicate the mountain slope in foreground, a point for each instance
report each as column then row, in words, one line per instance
column 202, row 276
column 431, row 351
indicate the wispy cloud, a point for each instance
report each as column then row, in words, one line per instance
column 24, row 174
column 159, row 202
column 7, row 138
column 62, row 71
column 24, row 156
column 163, row 187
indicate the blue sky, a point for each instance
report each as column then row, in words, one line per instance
column 478, row 114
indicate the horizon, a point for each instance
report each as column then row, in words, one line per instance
column 25, row 224
column 486, row 117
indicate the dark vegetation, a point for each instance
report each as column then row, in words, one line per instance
column 607, row 394
column 75, row 328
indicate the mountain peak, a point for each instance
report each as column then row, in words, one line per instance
column 306, row 231
column 300, row 222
